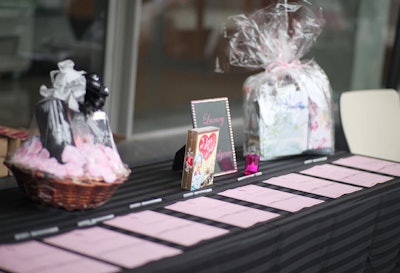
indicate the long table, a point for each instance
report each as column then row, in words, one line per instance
column 356, row 232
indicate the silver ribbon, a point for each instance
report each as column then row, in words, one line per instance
column 69, row 85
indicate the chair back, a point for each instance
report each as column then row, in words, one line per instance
column 371, row 122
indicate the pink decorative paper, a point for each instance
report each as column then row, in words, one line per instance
column 166, row 227
column 221, row 211
column 343, row 174
column 371, row 164
column 36, row 257
column 271, row 198
column 114, row 247
column 313, row 185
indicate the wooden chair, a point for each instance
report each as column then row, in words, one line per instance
column 371, row 122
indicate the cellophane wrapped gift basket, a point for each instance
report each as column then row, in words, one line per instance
column 288, row 106
column 70, row 159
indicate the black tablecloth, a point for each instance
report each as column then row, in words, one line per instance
column 358, row 232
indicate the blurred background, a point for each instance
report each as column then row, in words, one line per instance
column 158, row 55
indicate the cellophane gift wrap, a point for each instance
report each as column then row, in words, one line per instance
column 288, row 106
column 70, row 139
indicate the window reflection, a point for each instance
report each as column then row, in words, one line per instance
column 179, row 41
column 34, row 37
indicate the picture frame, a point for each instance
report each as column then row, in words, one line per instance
column 216, row 112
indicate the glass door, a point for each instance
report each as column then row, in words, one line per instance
column 177, row 46
column 34, row 37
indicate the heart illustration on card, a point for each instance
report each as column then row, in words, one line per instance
column 207, row 145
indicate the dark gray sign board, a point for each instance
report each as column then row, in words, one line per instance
column 216, row 112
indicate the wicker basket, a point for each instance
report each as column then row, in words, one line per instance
column 70, row 194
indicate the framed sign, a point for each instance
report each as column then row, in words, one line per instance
column 216, row 112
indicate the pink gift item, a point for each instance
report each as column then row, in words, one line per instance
column 252, row 161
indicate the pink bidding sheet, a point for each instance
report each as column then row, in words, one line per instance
column 37, row 257
column 112, row 246
column 371, row 164
column 313, row 185
column 166, row 227
column 271, row 198
column 221, row 211
column 347, row 175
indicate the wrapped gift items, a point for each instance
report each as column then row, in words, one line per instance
column 200, row 156
column 54, row 126
column 283, row 118
column 288, row 106
column 70, row 159
column 67, row 145
column 95, row 98
column 52, row 113
column 321, row 124
column 84, row 159
column 99, row 125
